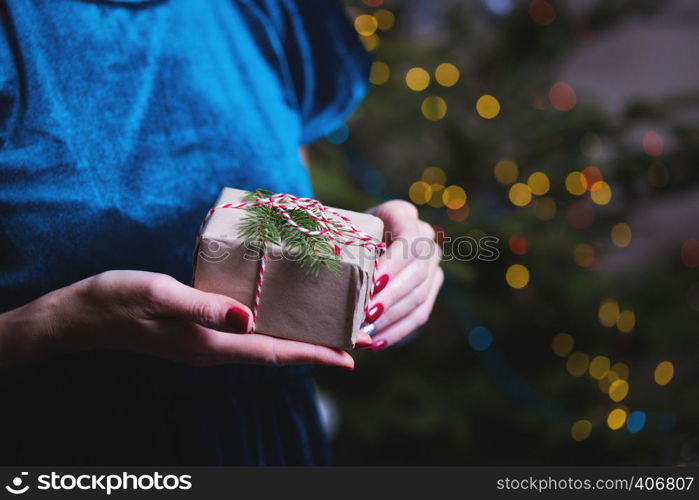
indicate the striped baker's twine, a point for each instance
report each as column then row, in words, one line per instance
column 340, row 233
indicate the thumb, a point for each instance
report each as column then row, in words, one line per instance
column 218, row 312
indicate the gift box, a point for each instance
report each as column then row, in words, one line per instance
column 307, row 275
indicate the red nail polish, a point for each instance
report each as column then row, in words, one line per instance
column 374, row 312
column 379, row 345
column 238, row 318
column 380, row 283
column 359, row 344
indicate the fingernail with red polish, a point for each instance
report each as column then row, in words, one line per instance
column 239, row 319
column 379, row 345
column 360, row 344
column 380, row 283
column 374, row 312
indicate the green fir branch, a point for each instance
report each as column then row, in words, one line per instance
column 263, row 225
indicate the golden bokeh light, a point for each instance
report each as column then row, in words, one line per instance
column 365, row 24
column 626, row 321
column 575, row 183
column 487, row 106
column 520, row 195
column 581, row 430
column 621, row 370
column 608, row 312
column 385, row 19
column 446, row 74
column 435, row 200
column 434, row 108
column 664, row 372
column 577, row 363
column 618, row 390
column 506, row 171
column 621, row 235
column 420, row 192
column 417, row 79
column 562, row 344
column 380, row 73
column 539, row 183
column 517, row 276
column 601, row 193
column 370, row 42
column 434, row 175
column 616, row 418
column 599, row 366
column 454, row 197
column 562, row 96
column 545, row 208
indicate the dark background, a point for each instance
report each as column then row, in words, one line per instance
column 610, row 84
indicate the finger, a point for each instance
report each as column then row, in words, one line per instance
column 262, row 349
column 400, row 329
column 167, row 297
column 363, row 340
column 414, row 298
column 416, row 273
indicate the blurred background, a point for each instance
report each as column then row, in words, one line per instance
column 569, row 131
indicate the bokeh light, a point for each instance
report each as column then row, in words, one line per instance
column 365, row 24
column 385, row 19
column 584, row 255
column 664, row 372
column 520, row 195
column 575, row 183
column 434, row 175
column 690, row 253
column 562, row 344
column 517, row 276
column 454, row 197
column 621, row 235
column 626, row 321
column 506, row 171
column 480, row 338
column 562, row 96
column 601, row 193
column 653, row 143
column 460, row 214
column 581, row 430
column 417, row 79
column 487, row 106
column 636, row 421
column 618, row 390
column 608, row 312
column 577, row 363
column 518, row 244
column 380, row 73
column 370, row 42
column 592, row 175
column 372, row 3
column 446, row 74
column 420, row 192
column 436, row 200
column 434, row 108
column 599, row 366
column 545, row 208
column 539, row 183
column 621, row 369
column 616, row 419
column 542, row 12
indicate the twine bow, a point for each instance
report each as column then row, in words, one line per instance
column 332, row 225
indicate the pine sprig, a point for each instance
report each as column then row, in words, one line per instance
column 263, row 224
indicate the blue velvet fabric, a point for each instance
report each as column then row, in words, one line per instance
column 120, row 121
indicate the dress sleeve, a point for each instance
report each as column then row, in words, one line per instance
column 323, row 66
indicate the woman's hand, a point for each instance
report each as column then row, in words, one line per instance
column 148, row 313
column 408, row 277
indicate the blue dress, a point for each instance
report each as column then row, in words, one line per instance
column 120, row 121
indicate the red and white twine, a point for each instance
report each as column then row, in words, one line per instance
column 337, row 228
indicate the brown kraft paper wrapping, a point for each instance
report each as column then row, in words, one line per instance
column 326, row 310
